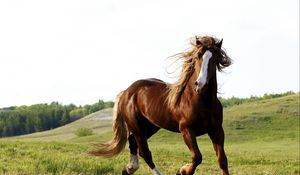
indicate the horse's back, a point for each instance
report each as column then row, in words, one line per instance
column 146, row 98
column 143, row 84
column 144, row 91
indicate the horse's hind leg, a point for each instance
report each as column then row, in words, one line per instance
column 217, row 138
column 146, row 130
column 145, row 152
column 133, row 164
column 141, row 135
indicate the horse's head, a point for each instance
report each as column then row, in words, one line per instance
column 210, row 58
column 199, row 67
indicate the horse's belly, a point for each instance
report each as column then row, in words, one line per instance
column 164, row 122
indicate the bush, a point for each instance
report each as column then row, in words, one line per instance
column 81, row 132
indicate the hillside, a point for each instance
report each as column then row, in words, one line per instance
column 271, row 119
column 99, row 122
column 276, row 115
column 21, row 120
column 262, row 137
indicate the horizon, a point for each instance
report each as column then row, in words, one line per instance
column 82, row 105
column 76, row 51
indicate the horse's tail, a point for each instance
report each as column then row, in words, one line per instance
column 120, row 134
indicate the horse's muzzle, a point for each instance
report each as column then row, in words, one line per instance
column 198, row 87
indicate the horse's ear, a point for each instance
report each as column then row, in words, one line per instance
column 219, row 44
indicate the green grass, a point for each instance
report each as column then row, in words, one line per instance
column 261, row 138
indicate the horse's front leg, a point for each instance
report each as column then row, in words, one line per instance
column 190, row 140
column 217, row 138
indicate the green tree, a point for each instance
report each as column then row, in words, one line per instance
column 65, row 119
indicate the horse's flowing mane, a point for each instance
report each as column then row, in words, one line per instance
column 189, row 58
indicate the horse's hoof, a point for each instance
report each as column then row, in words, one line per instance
column 185, row 170
column 180, row 172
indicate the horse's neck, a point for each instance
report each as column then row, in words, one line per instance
column 210, row 92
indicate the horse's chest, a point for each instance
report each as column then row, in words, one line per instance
column 203, row 123
column 201, row 127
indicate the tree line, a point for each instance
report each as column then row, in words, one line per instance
column 40, row 117
column 227, row 102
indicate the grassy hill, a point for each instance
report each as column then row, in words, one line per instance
column 262, row 137
column 99, row 122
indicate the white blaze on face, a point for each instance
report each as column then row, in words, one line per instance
column 202, row 78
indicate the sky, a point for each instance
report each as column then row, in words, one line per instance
column 78, row 51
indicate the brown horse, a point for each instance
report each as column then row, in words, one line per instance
column 189, row 106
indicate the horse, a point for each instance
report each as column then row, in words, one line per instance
column 189, row 106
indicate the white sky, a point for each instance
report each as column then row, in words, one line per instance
column 79, row 51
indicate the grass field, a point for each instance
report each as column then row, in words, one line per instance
column 261, row 138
